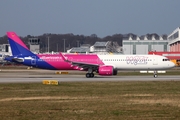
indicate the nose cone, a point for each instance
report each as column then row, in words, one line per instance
column 171, row 64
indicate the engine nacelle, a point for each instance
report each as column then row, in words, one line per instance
column 107, row 70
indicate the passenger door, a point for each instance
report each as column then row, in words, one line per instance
column 33, row 60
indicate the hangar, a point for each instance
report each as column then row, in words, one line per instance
column 142, row 45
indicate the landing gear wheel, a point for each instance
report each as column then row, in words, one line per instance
column 155, row 75
column 92, row 75
column 89, row 75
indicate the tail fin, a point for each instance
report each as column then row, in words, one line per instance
column 17, row 46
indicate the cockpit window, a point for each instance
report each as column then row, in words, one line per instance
column 166, row 60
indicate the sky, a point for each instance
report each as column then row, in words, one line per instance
column 86, row 17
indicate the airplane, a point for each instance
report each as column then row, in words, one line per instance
column 105, row 65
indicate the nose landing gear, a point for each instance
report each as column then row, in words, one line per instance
column 155, row 74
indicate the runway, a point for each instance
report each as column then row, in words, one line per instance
column 81, row 78
column 24, row 76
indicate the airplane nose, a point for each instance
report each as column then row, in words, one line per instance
column 171, row 64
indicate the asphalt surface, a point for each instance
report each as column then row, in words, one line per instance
column 24, row 76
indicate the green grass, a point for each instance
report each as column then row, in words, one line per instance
column 90, row 100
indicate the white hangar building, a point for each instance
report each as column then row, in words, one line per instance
column 133, row 44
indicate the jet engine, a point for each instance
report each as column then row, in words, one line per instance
column 107, row 70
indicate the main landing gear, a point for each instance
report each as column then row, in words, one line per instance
column 90, row 73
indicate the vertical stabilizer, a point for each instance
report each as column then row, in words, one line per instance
column 17, row 46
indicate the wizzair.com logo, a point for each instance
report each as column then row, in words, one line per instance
column 136, row 60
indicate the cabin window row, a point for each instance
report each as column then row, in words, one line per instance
column 50, row 60
column 126, row 59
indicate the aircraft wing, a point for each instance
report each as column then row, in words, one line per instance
column 80, row 64
column 84, row 65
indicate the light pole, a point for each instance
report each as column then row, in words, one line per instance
column 64, row 44
column 48, row 44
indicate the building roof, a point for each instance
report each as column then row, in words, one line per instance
column 79, row 50
column 145, row 37
column 85, row 45
column 100, row 44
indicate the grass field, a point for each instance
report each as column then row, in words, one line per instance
column 91, row 101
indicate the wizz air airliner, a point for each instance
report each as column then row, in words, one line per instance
column 106, row 65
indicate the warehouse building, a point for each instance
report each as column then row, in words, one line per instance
column 142, row 45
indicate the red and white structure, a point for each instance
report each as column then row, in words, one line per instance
column 169, row 55
column 174, row 40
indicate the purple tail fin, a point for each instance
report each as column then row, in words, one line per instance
column 17, row 46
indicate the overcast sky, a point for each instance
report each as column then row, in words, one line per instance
column 86, row 17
